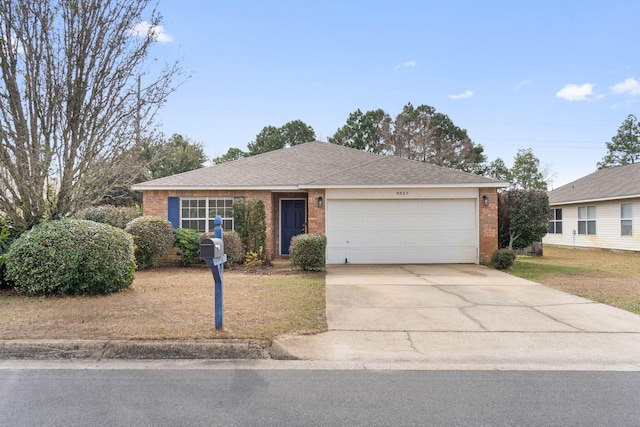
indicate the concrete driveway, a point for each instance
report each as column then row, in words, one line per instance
column 464, row 316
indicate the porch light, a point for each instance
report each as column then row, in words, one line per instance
column 485, row 200
column 320, row 202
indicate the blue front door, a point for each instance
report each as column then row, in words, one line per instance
column 292, row 221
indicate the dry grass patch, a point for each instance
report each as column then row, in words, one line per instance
column 609, row 277
column 172, row 303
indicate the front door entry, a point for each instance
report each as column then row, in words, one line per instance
column 292, row 222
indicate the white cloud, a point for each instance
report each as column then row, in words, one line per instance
column 628, row 87
column 463, row 95
column 576, row 92
column 141, row 29
column 408, row 64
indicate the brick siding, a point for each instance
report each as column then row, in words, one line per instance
column 155, row 203
column 488, row 225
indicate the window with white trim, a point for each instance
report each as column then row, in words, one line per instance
column 626, row 219
column 555, row 221
column 199, row 213
column 587, row 220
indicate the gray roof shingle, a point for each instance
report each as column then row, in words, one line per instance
column 317, row 165
column 618, row 182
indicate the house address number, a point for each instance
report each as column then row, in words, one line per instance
column 402, row 193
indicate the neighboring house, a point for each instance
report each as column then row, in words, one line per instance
column 372, row 208
column 601, row 210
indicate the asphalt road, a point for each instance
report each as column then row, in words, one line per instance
column 249, row 397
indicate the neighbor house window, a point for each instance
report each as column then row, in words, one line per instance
column 199, row 213
column 587, row 220
column 626, row 219
column 555, row 222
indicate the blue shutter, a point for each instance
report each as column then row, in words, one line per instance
column 174, row 211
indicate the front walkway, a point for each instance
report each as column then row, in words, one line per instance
column 456, row 316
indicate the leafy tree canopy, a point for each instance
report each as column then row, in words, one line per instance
column 363, row 131
column 497, row 169
column 151, row 160
column 624, row 147
column 526, row 172
column 174, row 155
column 297, row 132
column 231, row 155
column 71, row 101
column 272, row 138
column 417, row 133
column 523, row 217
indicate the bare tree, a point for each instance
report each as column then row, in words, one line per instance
column 71, row 103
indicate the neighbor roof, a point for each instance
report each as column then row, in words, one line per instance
column 605, row 184
column 318, row 165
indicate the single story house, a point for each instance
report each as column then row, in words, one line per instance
column 600, row 210
column 372, row 208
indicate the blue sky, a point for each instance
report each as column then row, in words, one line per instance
column 558, row 77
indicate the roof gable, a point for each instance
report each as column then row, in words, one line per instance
column 317, row 165
column 603, row 184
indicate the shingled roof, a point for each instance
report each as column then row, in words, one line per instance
column 318, row 165
column 605, row 184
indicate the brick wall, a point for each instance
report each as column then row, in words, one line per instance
column 316, row 214
column 155, row 203
column 488, row 224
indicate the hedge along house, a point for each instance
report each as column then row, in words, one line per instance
column 600, row 210
column 372, row 208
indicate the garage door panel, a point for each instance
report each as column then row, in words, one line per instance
column 401, row 231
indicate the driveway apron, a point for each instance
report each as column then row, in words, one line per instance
column 463, row 316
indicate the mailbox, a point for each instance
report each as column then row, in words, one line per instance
column 211, row 248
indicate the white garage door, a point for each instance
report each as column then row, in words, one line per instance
column 401, row 231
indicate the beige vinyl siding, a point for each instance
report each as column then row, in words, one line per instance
column 608, row 231
column 401, row 193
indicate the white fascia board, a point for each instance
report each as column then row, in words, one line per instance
column 210, row 188
column 603, row 199
column 142, row 187
column 470, row 185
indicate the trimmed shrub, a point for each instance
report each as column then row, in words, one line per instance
column 71, row 257
column 6, row 238
column 502, row 259
column 152, row 238
column 188, row 244
column 4, row 283
column 249, row 217
column 109, row 214
column 233, row 247
column 308, row 251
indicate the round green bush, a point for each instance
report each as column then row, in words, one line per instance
column 152, row 238
column 502, row 259
column 108, row 214
column 188, row 244
column 71, row 257
column 308, row 251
